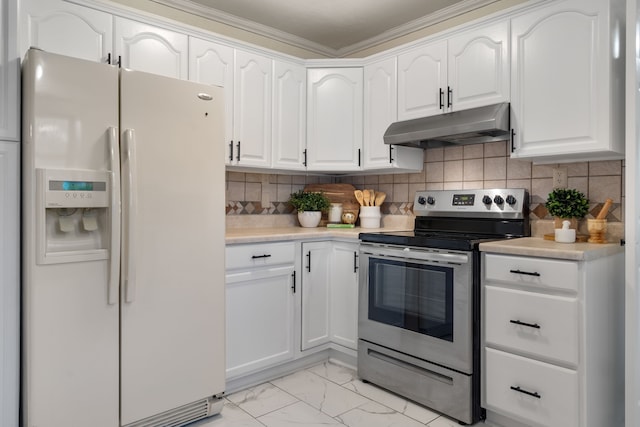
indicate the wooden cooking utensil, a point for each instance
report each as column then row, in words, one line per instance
column 372, row 196
column 380, row 196
column 605, row 209
column 359, row 196
column 367, row 197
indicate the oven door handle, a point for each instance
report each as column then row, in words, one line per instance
column 409, row 254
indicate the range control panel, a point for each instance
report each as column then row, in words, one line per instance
column 497, row 202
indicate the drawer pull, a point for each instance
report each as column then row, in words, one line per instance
column 525, row 272
column 531, row 325
column 261, row 256
column 528, row 393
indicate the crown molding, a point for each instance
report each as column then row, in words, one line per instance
column 212, row 14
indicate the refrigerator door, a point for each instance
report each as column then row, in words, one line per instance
column 172, row 295
column 70, row 328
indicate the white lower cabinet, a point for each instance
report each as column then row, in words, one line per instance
column 552, row 340
column 343, row 288
column 260, row 306
column 315, row 288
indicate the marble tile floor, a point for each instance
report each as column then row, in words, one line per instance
column 322, row 395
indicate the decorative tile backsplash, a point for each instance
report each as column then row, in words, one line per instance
column 462, row 167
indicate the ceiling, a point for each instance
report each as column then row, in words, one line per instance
column 333, row 28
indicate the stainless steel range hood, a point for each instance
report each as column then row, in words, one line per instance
column 475, row 125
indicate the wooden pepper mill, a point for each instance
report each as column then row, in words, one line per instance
column 598, row 227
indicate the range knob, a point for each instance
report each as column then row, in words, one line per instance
column 422, row 200
column 510, row 200
column 431, row 200
column 498, row 200
column 487, row 200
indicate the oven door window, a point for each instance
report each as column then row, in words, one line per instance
column 412, row 296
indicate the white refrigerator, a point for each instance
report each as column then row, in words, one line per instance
column 123, row 246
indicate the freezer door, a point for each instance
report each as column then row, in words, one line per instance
column 70, row 331
column 172, row 285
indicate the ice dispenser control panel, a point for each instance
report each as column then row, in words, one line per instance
column 74, row 188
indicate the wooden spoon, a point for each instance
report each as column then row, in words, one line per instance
column 380, row 196
column 605, row 209
column 367, row 197
column 359, row 197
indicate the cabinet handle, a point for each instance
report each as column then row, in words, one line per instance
column 449, row 96
column 355, row 262
column 304, row 153
column 359, row 157
column 109, row 58
column 119, row 61
column 531, row 325
column 231, row 151
column 293, row 286
column 525, row 272
column 528, row 393
column 441, row 98
column 261, row 256
column 390, row 153
column 309, row 261
column 513, row 140
column 238, row 155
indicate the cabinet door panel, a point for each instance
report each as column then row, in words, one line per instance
column 151, row 49
column 212, row 63
column 380, row 110
column 479, row 67
column 289, row 115
column 252, row 109
column 422, row 73
column 259, row 319
column 316, row 271
column 66, row 29
column 344, row 295
column 334, row 119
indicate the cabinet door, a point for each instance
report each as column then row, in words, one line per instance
column 344, row 295
column 478, row 67
column 334, row 119
column 9, row 73
column 567, row 96
column 289, row 115
column 380, row 110
column 151, row 49
column 9, row 283
column 316, row 271
column 67, row 29
column 252, row 110
column 212, row 63
column 422, row 81
column 259, row 319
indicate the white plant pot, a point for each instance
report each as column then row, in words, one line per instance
column 309, row 219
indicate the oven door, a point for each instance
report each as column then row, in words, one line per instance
column 418, row 301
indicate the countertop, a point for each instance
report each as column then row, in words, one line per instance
column 538, row 247
column 273, row 234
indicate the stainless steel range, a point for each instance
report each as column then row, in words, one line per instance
column 419, row 297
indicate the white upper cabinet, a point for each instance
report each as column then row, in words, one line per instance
column 478, row 67
column 212, row 63
column 380, row 110
column 289, row 115
column 468, row 70
column 67, row 29
column 334, row 119
column 151, row 49
column 252, row 110
column 9, row 74
column 422, row 81
column 567, row 94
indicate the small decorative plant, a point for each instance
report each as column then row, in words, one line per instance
column 309, row 201
column 567, row 203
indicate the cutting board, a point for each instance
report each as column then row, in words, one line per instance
column 579, row 237
column 336, row 193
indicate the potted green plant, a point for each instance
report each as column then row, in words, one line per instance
column 310, row 206
column 567, row 204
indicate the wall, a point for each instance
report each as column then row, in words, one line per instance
column 463, row 167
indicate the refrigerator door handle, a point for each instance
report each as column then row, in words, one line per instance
column 114, row 265
column 129, row 270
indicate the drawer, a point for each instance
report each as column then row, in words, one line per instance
column 537, row 393
column 537, row 324
column 538, row 272
column 265, row 254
